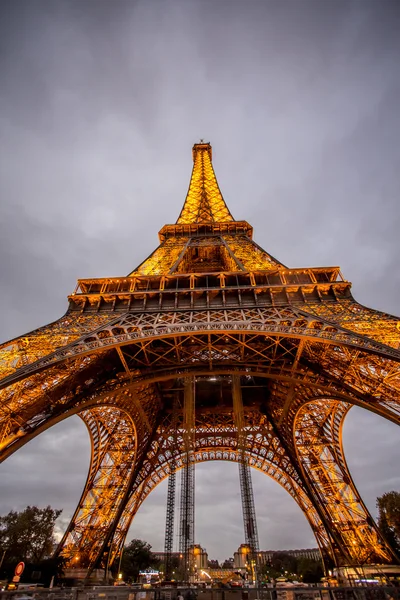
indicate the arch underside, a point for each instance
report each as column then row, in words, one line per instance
column 316, row 477
column 215, row 440
column 309, row 373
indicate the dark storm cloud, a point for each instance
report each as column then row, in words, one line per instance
column 100, row 103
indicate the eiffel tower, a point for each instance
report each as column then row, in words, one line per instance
column 211, row 349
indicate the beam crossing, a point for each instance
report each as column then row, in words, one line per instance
column 246, row 486
column 171, row 496
column 169, row 523
column 186, row 538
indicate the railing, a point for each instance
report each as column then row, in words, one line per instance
column 205, row 281
column 372, row 592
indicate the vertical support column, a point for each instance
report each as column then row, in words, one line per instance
column 169, row 524
column 170, row 513
column 186, row 538
column 246, row 486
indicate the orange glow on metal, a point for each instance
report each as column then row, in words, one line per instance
column 204, row 201
column 211, row 305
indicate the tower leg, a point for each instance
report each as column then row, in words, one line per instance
column 318, row 428
column 120, row 443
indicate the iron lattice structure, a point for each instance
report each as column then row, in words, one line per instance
column 170, row 512
column 246, row 486
column 169, row 524
column 210, row 307
column 186, row 529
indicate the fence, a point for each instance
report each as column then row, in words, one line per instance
column 280, row 593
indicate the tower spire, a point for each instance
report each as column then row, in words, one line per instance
column 204, row 202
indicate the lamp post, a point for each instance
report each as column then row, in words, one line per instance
column 120, row 561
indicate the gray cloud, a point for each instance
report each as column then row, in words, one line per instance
column 100, row 103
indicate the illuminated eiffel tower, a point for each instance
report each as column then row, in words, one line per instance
column 211, row 349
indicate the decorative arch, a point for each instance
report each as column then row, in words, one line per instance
column 264, row 461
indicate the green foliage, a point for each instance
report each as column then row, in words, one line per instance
column 28, row 535
column 175, row 564
column 136, row 557
column 227, row 564
column 213, row 564
column 268, row 572
column 281, row 564
column 389, row 518
column 309, row 570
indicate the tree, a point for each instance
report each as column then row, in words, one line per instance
column 227, row 564
column 159, row 565
column 28, row 535
column 213, row 564
column 283, row 562
column 389, row 518
column 136, row 557
column 269, row 572
column 310, row 570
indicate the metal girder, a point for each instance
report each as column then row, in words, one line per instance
column 119, row 439
column 145, row 330
column 186, row 531
column 318, row 442
column 246, row 486
column 209, row 304
column 350, row 314
column 169, row 524
column 216, row 439
column 114, row 445
column 32, row 346
column 204, row 201
column 171, row 495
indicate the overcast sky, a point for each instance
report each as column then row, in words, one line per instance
column 100, row 104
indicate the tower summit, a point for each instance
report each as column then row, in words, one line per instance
column 211, row 349
column 205, row 237
column 204, row 202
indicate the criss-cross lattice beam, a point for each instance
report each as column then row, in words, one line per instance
column 171, row 494
column 204, row 201
column 353, row 316
column 218, row 441
column 246, row 486
column 146, row 331
column 186, row 533
column 119, row 441
column 114, row 445
column 353, row 377
column 318, row 442
column 364, row 377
